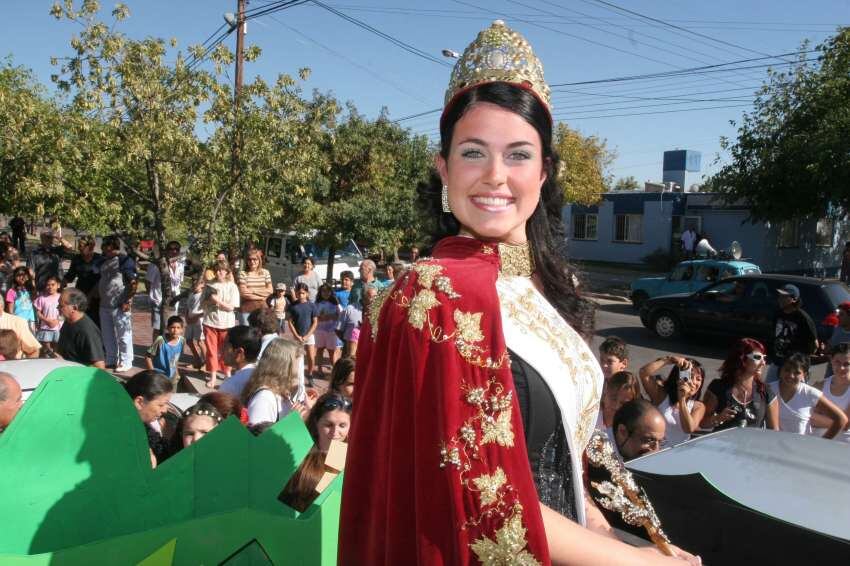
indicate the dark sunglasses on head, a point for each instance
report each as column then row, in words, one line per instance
column 336, row 402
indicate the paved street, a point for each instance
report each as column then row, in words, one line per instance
column 616, row 318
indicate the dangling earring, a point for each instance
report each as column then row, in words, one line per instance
column 445, row 199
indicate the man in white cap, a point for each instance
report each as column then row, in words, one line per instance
column 793, row 330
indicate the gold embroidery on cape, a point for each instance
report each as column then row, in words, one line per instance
column 422, row 302
column 489, row 486
column 498, row 429
column 374, row 310
column 508, row 547
column 468, row 325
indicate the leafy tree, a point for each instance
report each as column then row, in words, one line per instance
column 792, row 155
column 30, row 144
column 627, row 184
column 584, row 163
column 366, row 185
column 133, row 116
column 278, row 160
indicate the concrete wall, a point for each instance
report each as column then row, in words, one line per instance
column 656, row 229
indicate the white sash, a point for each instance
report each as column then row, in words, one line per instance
column 536, row 332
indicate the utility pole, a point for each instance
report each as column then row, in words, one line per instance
column 237, row 97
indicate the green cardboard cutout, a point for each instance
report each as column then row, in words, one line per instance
column 76, row 486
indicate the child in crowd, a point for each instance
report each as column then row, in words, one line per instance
column 343, row 294
column 197, row 422
column 342, row 377
column 618, row 390
column 329, row 420
column 613, row 356
column 328, row 310
column 276, row 386
column 797, row 399
column 836, row 388
column 165, row 351
column 47, row 311
column 220, row 301
column 20, row 295
column 349, row 330
column 194, row 327
column 10, row 345
column 279, row 302
column 303, row 320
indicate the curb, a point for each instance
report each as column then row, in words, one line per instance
column 608, row 296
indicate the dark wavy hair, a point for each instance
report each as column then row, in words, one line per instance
column 736, row 358
column 671, row 384
column 545, row 229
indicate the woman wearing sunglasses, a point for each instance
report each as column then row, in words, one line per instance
column 740, row 397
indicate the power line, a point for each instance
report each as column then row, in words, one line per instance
column 611, row 5
column 692, row 71
column 349, row 60
column 395, row 41
column 564, row 118
column 567, row 34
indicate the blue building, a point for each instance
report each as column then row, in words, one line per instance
column 627, row 226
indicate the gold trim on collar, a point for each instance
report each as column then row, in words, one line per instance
column 516, row 260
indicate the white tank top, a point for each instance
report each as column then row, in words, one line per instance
column 674, row 435
column 843, row 401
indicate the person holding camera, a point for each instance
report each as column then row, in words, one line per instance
column 677, row 396
column 740, row 397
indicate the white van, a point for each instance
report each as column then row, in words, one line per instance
column 285, row 252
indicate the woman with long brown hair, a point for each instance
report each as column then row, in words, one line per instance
column 481, row 392
column 329, row 420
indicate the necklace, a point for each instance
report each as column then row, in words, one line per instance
column 516, row 259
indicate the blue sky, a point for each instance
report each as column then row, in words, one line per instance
column 577, row 40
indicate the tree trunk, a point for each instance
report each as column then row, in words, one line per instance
column 159, row 234
column 330, row 272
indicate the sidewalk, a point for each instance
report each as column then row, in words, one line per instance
column 611, row 280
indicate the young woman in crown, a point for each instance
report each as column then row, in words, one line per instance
column 477, row 390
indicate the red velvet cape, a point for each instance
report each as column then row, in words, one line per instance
column 437, row 469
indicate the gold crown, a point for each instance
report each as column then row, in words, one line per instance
column 499, row 54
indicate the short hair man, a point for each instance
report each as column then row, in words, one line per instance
column 793, row 330
column 79, row 338
column 639, row 429
column 240, row 351
column 117, row 285
column 265, row 320
column 613, row 356
column 29, row 345
column 45, row 260
column 10, row 399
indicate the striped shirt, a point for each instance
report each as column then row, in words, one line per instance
column 257, row 283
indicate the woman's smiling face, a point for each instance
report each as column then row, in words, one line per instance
column 494, row 173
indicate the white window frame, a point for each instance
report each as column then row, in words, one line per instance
column 586, row 232
column 788, row 234
column 633, row 235
column 824, row 232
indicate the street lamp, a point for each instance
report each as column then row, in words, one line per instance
column 451, row 54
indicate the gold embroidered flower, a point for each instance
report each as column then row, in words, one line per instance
column 468, row 326
column 508, row 548
column 422, row 302
column 489, row 486
column 498, row 429
column 475, row 396
column 444, row 284
column 427, row 272
column 374, row 310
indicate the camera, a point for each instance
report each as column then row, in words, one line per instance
column 685, row 375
